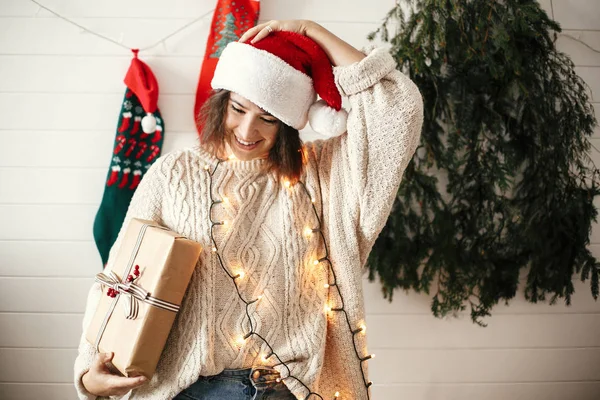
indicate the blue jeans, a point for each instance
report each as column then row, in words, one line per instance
column 238, row 384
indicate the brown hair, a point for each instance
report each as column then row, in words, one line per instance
column 286, row 158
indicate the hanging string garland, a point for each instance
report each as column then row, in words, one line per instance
column 325, row 259
column 41, row 6
column 84, row 29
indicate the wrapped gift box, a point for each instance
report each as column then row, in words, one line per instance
column 137, row 309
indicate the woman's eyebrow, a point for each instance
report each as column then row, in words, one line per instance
column 238, row 103
column 245, row 108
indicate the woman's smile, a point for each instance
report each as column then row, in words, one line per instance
column 245, row 145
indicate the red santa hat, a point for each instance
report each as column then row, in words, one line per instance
column 282, row 74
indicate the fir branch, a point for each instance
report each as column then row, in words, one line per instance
column 501, row 181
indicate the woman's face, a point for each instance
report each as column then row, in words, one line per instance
column 251, row 131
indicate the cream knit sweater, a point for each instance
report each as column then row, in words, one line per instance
column 353, row 179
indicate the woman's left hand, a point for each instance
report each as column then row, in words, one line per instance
column 261, row 31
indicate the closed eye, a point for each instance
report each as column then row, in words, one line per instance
column 240, row 111
column 269, row 121
column 237, row 110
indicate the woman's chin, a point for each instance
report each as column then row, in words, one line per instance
column 242, row 156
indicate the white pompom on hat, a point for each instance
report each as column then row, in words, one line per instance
column 282, row 74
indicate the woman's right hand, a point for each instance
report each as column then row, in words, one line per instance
column 99, row 381
column 261, row 31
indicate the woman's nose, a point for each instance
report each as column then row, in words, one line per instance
column 247, row 127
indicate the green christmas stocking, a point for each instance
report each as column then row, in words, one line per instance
column 138, row 144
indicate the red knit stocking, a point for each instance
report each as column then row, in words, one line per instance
column 125, row 122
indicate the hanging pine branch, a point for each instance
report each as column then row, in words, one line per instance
column 501, row 182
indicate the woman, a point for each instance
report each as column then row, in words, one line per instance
column 289, row 226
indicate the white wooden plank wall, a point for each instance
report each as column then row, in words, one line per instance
column 60, row 94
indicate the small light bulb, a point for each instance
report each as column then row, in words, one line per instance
column 232, row 157
column 327, row 308
column 316, row 262
column 372, row 355
column 287, row 184
column 260, row 297
column 362, row 328
column 241, row 341
column 326, row 286
column 214, row 249
column 308, row 231
column 206, row 167
column 224, row 222
column 264, row 358
column 278, row 380
column 241, row 274
column 337, row 394
column 312, row 199
column 226, row 200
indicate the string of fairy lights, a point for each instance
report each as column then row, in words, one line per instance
column 309, row 231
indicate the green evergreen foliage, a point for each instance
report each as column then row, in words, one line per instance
column 506, row 134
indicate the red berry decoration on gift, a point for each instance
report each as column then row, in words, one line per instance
column 130, row 278
column 136, row 271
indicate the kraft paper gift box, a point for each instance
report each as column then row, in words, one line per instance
column 136, row 310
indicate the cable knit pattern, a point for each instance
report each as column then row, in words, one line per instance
column 353, row 179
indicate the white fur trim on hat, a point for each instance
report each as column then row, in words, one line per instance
column 326, row 121
column 267, row 81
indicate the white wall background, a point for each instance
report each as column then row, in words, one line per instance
column 60, row 94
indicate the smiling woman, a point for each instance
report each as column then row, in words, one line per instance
column 275, row 308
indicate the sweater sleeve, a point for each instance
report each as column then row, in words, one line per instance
column 359, row 174
column 362, row 169
column 146, row 203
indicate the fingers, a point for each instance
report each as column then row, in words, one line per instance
column 262, row 34
column 123, row 384
column 100, row 381
column 102, row 358
column 255, row 31
column 251, row 32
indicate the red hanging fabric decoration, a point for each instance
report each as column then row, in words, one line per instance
column 231, row 19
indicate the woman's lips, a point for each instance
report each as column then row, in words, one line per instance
column 246, row 147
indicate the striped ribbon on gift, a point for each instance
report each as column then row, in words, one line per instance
column 133, row 293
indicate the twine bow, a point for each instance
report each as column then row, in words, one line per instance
column 133, row 295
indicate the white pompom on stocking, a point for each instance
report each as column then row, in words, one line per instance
column 327, row 121
column 149, row 123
